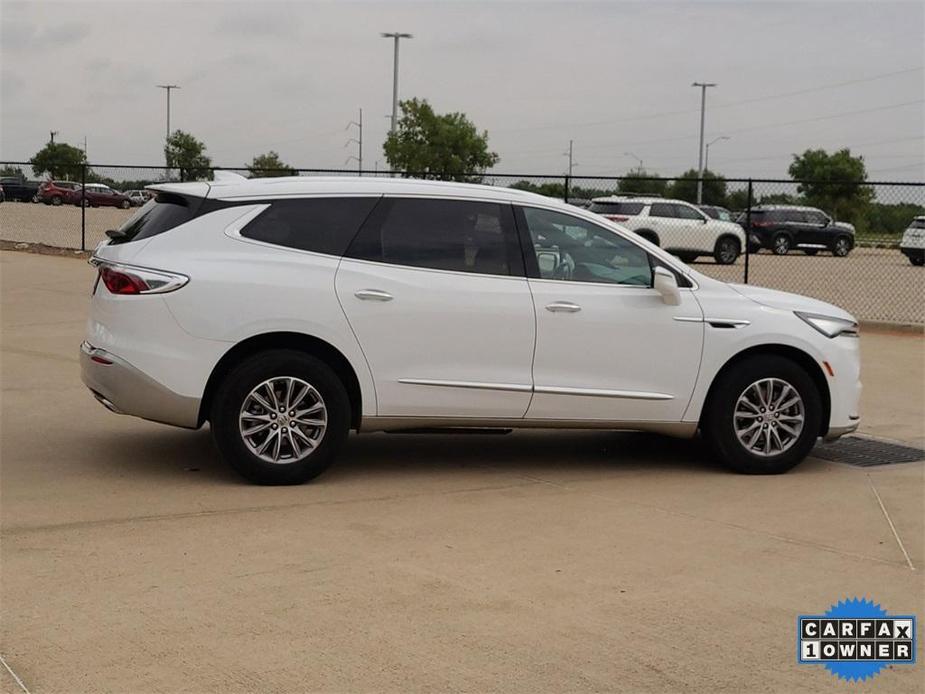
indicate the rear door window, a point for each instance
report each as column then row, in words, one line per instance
column 455, row 235
column 663, row 209
column 630, row 209
column 321, row 225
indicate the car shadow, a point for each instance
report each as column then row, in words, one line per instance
column 161, row 453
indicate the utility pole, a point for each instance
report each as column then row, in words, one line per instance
column 571, row 161
column 706, row 157
column 357, row 141
column 167, row 88
column 630, row 154
column 397, row 35
column 703, row 108
column 52, row 133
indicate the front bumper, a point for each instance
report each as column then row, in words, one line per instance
column 124, row 389
column 912, row 252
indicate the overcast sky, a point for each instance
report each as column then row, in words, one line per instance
column 614, row 76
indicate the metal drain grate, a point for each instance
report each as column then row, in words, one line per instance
column 864, row 452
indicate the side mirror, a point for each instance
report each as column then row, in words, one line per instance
column 666, row 284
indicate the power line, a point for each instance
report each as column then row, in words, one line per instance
column 732, row 104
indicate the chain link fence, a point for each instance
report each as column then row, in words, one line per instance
column 841, row 242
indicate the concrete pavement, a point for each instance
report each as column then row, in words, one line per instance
column 133, row 560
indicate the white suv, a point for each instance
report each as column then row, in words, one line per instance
column 675, row 225
column 913, row 242
column 288, row 311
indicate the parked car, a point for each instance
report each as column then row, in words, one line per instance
column 675, row 225
column 286, row 312
column 913, row 243
column 2, row 194
column 56, row 192
column 717, row 212
column 783, row 228
column 138, row 197
column 17, row 188
column 98, row 195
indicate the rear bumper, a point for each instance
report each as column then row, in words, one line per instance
column 123, row 389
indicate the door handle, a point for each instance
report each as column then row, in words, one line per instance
column 373, row 295
column 563, row 307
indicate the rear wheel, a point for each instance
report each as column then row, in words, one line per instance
column 727, row 250
column 764, row 415
column 841, row 247
column 125, row 204
column 649, row 236
column 280, row 417
column 781, row 244
column 917, row 260
column 56, row 200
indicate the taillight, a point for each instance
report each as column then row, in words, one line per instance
column 128, row 279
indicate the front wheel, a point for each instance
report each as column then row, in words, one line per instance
column 918, row 260
column 280, row 417
column 726, row 251
column 56, row 200
column 764, row 415
column 842, row 247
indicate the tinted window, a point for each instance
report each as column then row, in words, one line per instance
column 630, row 209
column 816, row 217
column 322, row 225
column 441, row 234
column 917, row 224
column 571, row 249
column 663, row 209
column 685, row 212
column 156, row 216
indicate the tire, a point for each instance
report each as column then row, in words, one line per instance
column 56, row 200
column 781, row 244
column 125, row 204
column 727, row 250
column 649, row 236
column 917, row 260
column 810, row 251
column 738, row 382
column 841, row 247
column 687, row 257
column 236, row 393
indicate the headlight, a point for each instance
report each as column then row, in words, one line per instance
column 828, row 325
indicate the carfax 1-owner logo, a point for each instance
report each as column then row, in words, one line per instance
column 856, row 639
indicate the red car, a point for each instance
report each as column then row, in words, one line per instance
column 98, row 195
column 56, row 192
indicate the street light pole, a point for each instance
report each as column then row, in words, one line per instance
column 397, row 35
column 706, row 156
column 630, row 154
column 703, row 108
column 167, row 88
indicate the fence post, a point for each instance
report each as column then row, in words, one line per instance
column 748, row 228
column 566, row 187
column 83, row 207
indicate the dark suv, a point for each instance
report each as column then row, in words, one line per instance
column 782, row 228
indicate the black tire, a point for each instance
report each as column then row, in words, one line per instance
column 687, row 257
column 781, row 244
column 125, row 204
column 649, row 236
column 842, row 246
column 234, row 390
column 727, row 250
column 810, row 251
column 56, row 200
column 719, row 424
column 918, row 260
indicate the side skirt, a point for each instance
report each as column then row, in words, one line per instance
column 684, row 430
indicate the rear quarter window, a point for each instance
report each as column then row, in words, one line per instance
column 320, row 225
column 162, row 213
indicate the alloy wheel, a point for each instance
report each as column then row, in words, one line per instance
column 768, row 417
column 283, row 420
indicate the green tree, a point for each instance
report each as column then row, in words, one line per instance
column 737, row 199
column 268, row 165
column 185, row 152
column 685, row 187
column 59, row 160
column 446, row 146
column 642, row 182
column 833, row 182
column 12, row 171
